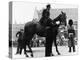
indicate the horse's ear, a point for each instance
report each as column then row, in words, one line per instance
column 62, row 12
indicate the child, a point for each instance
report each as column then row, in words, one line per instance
column 71, row 35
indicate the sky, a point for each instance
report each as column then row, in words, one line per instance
column 23, row 12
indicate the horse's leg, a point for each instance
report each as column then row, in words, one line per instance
column 25, row 50
column 56, row 46
column 51, row 48
column 30, row 50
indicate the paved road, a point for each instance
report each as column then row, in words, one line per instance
column 40, row 52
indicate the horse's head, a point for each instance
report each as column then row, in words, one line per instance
column 61, row 19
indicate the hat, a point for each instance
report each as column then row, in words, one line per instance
column 48, row 5
column 70, row 22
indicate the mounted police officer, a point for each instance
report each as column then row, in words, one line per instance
column 45, row 21
column 45, row 16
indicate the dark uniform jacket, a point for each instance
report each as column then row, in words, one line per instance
column 45, row 16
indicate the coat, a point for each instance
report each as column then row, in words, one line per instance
column 71, row 35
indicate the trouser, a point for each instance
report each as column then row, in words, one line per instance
column 48, row 49
column 49, row 41
column 73, row 49
column 17, row 49
column 72, row 44
column 19, row 46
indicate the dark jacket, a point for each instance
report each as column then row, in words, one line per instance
column 19, row 34
column 45, row 13
column 45, row 16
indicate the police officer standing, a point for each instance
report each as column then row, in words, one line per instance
column 46, row 21
column 19, row 35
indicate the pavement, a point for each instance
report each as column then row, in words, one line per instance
column 40, row 52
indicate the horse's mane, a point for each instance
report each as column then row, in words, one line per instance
column 57, row 18
column 61, row 17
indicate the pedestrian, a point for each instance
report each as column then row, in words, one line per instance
column 71, row 35
column 19, row 35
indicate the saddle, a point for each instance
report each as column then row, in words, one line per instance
column 41, row 30
column 41, row 27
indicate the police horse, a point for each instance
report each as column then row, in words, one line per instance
column 32, row 28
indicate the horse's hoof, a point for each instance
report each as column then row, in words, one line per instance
column 27, row 56
column 52, row 54
column 17, row 53
column 59, row 54
column 31, row 55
